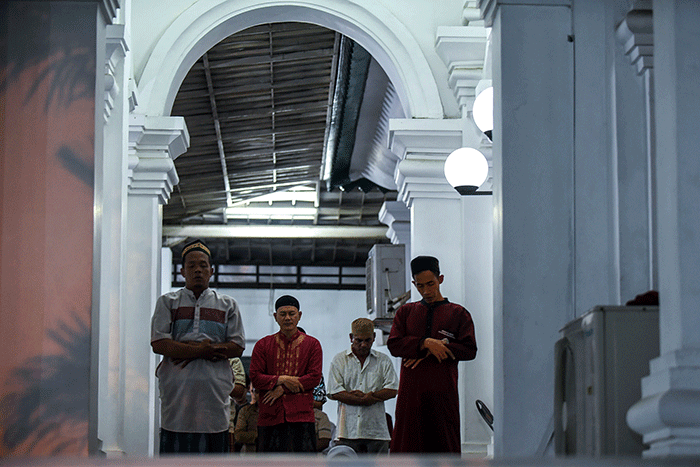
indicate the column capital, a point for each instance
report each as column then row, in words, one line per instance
column 471, row 15
column 423, row 146
column 489, row 8
column 167, row 135
column 488, row 11
column 636, row 34
column 397, row 217
column 116, row 45
column 462, row 49
column 425, row 136
column 115, row 52
column 154, row 143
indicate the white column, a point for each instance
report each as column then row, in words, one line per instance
column 476, row 378
column 634, row 151
column 605, row 156
column 440, row 219
column 110, row 238
column 464, row 50
column 668, row 415
column 533, row 212
column 154, row 143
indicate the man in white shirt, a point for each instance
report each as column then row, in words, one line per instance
column 361, row 379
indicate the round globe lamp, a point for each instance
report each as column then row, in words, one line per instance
column 482, row 111
column 466, row 170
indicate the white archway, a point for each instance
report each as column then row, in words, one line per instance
column 207, row 22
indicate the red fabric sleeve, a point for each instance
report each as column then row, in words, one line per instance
column 312, row 376
column 259, row 373
column 464, row 346
column 400, row 343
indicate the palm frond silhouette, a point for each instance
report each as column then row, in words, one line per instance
column 67, row 65
column 50, row 410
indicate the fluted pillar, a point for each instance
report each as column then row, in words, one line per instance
column 668, row 415
column 441, row 225
column 154, row 142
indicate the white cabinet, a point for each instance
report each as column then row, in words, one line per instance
column 599, row 363
column 386, row 279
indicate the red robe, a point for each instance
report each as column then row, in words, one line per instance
column 277, row 355
column 427, row 406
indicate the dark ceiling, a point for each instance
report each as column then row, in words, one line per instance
column 262, row 108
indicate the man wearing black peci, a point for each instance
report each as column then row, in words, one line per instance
column 431, row 336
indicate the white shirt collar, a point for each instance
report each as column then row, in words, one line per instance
column 349, row 353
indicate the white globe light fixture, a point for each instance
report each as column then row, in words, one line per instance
column 466, row 170
column 482, row 111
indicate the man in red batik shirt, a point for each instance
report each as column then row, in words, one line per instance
column 285, row 368
column 430, row 336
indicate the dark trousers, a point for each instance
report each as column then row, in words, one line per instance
column 172, row 442
column 287, row 437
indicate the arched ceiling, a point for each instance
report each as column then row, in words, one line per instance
column 263, row 107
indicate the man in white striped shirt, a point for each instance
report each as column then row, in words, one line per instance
column 196, row 330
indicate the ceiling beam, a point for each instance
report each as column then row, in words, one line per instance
column 217, row 127
column 275, row 231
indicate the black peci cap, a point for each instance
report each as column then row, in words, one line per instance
column 425, row 263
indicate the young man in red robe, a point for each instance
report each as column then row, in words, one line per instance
column 285, row 368
column 431, row 336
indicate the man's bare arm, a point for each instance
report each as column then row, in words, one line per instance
column 186, row 350
column 290, row 382
column 272, row 396
column 238, row 393
column 385, row 394
column 192, row 350
column 358, row 397
column 349, row 398
column 437, row 348
column 229, row 349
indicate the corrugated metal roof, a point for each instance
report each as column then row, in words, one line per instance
column 257, row 107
